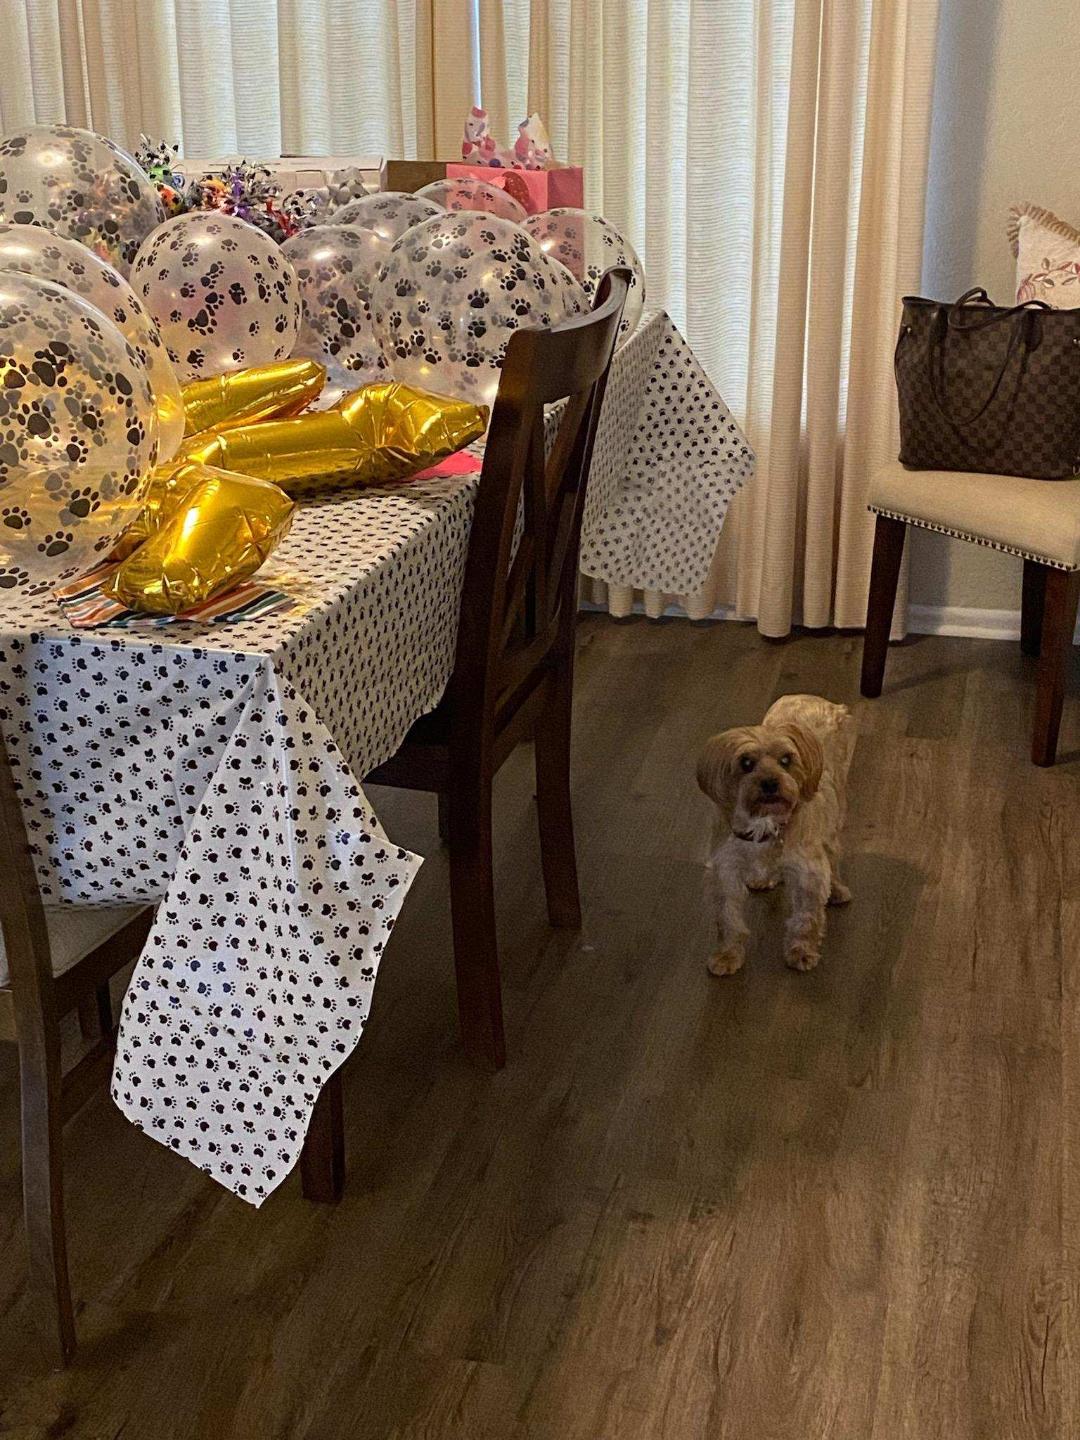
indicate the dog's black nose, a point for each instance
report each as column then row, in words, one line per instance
column 769, row 787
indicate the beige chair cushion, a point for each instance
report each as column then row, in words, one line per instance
column 1038, row 519
column 75, row 930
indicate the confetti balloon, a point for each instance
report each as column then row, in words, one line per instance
column 80, row 185
column 33, row 251
column 387, row 215
column 221, row 292
column 78, row 432
column 466, row 193
column 335, row 266
column 588, row 245
column 452, row 292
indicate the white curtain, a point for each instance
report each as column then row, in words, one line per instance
column 265, row 77
column 768, row 158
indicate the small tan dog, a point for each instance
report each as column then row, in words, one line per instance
column 780, row 795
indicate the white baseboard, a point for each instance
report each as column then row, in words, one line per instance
column 962, row 620
column 959, row 620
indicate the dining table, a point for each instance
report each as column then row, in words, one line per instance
column 216, row 771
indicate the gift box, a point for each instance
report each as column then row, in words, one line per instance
column 536, row 190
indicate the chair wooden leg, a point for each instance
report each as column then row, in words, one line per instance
column 1032, row 606
column 472, row 907
column 884, row 576
column 43, row 1191
column 322, row 1160
column 1059, row 621
column 553, row 806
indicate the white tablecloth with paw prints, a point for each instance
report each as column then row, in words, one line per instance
column 217, row 770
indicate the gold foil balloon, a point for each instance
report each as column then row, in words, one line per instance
column 453, row 291
column 379, row 433
column 335, row 266
column 221, row 292
column 587, row 245
column 80, row 185
column 221, row 529
column 78, row 431
column 33, row 251
column 261, row 392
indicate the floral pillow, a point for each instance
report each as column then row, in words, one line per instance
column 1047, row 254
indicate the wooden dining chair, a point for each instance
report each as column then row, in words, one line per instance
column 53, row 961
column 514, row 668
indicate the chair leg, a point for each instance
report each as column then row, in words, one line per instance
column 1059, row 621
column 553, row 806
column 884, row 576
column 1032, row 606
column 472, row 907
column 43, row 1194
column 444, row 819
column 322, row 1160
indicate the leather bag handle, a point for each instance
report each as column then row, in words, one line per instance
column 1025, row 328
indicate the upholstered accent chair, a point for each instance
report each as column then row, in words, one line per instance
column 1036, row 520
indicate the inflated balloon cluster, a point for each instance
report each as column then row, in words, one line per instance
column 401, row 306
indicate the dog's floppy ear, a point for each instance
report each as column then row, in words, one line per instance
column 716, row 765
column 807, row 747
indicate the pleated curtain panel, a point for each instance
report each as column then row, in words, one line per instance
column 767, row 157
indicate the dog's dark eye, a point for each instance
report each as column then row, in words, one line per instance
column 785, row 761
column 747, row 763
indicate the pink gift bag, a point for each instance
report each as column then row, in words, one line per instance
column 536, row 190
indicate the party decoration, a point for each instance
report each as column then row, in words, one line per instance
column 531, row 149
column 78, row 430
column 345, row 186
column 387, row 215
column 221, row 293
column 452, row 292
column 80, row 185
column 34, row 251
column 376, row 434
column 262, row 392
column 469, row 194
column 588, row 245
column 242, row 189
column 222, row 528
column 335, row 266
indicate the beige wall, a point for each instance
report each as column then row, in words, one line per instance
column 1006, row 127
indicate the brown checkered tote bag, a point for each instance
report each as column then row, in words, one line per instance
column 989, row 388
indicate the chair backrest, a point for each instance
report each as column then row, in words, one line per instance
column 518, row 607
column 22, row 919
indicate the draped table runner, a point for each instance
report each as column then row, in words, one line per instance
column 217, row 770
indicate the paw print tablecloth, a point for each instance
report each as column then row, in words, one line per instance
column 217, row 771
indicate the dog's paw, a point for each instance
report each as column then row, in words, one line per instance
column 726, row 962
column 802, row 957
column 839, row 894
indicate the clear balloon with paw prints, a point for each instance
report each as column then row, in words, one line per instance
column 453, row 291
column 78, row 432
column 221, row 292
column 81, row 186
column 33, row 251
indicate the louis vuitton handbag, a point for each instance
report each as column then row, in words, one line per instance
column 989, row 388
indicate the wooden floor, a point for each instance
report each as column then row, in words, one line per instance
column 841, row 1205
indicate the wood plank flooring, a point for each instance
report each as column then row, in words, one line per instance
column 840, row 1205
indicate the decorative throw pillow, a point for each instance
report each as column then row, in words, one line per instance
column 1047, row 254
